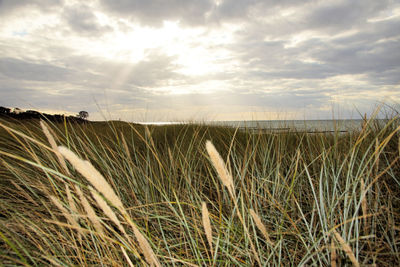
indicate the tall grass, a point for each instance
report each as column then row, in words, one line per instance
column 121, row 194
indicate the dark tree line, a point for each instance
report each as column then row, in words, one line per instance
column 33, row 114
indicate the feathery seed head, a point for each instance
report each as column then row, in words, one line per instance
column 93, row 176
column 260, row 225
column 220, row 167
column 107, row 209
column 207, row 224
column 346, row 248
column 145, row 247
column 66, row 214
column 53, row 144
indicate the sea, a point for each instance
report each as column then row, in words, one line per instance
column 315, row 126
column 296, row 125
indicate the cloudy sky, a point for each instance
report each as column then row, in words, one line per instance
column 159, row 60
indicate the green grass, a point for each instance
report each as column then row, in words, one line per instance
column 304, row 187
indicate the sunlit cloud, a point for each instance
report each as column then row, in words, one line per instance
column 187, row 59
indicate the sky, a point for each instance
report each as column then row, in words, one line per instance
column 191, row 60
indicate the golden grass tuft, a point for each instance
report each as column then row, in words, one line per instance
column 207, row 224
column 364, row 205
column 66, row 214
column 71, row 201
column 333, row 253
column 107, row 210
column 376, row 154
column 220, row 167
column 126, row 147
column 53, row 144
column 126, row 257
column 227, row 180
column 92, row 175
column 346, row 248
column 91, row 214
column 145, row 247
column 99, row 182
column 260, row 226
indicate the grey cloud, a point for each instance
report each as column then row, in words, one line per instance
column 372, row 33
column 25, row 70
column 8, row 7
column 370, row 50
column 85, row 80
column 230, row 9
column 344, row 14
column 156, row 69
column 20, row 73
column 81, row 19
column 259, row 51
column 245, row 9
column 274, row 100
column 263, row 18
column 153, row 12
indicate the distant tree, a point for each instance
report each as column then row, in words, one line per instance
column 83, row 114
column 4, row 110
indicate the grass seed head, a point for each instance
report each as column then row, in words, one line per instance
column 207, row 224
column 66, row 214
column 91, row 215
column 220, row 166
column 107, row 210
column 333, row 253
column 145, row 247
column 71, row 201
column 93, row 176
column 346, row 248
column 260, row 225
column 53, row 144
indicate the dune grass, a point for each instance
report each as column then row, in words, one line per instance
column 118, row 194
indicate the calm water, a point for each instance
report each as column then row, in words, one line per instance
column 288, row 125
column 299, row 125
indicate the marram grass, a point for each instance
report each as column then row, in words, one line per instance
column 117, row 194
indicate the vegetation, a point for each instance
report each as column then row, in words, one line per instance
column 165, row 196
column 18, row 114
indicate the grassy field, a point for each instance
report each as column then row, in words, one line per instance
column 164, row 195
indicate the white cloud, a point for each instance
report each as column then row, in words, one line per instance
column 180, row 59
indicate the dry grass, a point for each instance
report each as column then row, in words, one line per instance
column 261, row 226
column 53, row 144
column 333, row 254
column 227, row 180
column 145, row 247
column 91, row 214
column 346, row 248
column 107, row 210
column 136, row 203
column 220, row 167
column 66, row 214
column 207, row 225
column 92, row 175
